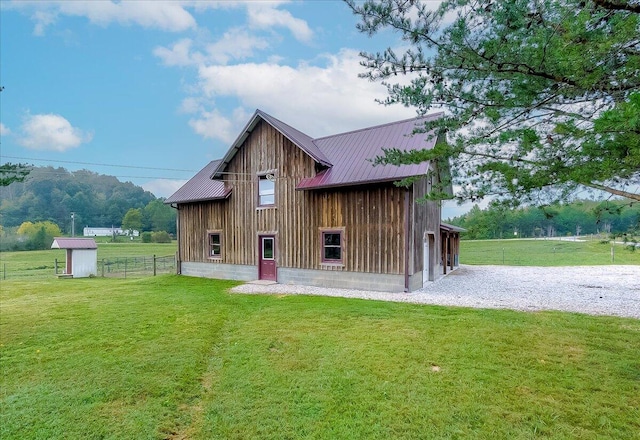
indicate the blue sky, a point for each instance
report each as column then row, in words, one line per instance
column 161, row 88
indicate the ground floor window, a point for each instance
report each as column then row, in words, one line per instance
column 332, row 246
column 214, row 240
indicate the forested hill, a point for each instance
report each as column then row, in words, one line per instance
column 578, row 218
column 54, row 193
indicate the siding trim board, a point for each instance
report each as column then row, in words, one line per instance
column 381, row 227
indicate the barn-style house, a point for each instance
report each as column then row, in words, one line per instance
column 285, row 207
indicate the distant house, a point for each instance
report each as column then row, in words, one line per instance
column 82, row 256
column 106, row 232
column 283, row 206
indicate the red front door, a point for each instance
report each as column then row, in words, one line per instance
column 267, row 257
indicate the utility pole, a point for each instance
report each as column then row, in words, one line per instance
column 73, row 224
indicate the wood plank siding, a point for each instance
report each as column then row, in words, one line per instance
column 373, row 216
column 426, row 218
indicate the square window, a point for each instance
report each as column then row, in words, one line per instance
column 266, row 190
column 215, row 245
column 332, row 247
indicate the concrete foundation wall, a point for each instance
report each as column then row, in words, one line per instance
column 342, row 280
column 220, row 271
column 415, row 281
column 306, row 277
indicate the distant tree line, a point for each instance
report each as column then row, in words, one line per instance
column 50, row 195
column 577, row 218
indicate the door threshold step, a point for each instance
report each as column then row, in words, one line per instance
column 262, row 282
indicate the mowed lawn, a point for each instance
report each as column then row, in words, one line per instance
column 179, row 358
column 528, row 252
column 41, row 264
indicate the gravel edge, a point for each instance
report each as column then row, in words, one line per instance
column 593, row 290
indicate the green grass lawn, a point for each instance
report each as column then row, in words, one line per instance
column 545, row 253
column 178, row 357
column 41, row 264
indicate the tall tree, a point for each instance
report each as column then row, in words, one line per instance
column 541, row 97
column 159, row 217
column 13, row 172
column 132, row 220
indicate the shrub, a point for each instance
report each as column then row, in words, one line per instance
column 146, row 237
column 161, row 237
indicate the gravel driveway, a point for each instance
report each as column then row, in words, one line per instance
column 595, row 290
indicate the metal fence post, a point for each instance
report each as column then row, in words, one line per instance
column 154, row 265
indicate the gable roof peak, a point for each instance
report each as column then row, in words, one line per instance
column 298, row 138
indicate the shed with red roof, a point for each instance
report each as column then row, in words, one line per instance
column 283, row 206
column 81, row 256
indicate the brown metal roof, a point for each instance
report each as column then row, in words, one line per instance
column 351, row 154
column 451, row 228
column 73, row 243
column 347, row 156
column 201, row 187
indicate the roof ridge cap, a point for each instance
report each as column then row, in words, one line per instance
column 417, row 118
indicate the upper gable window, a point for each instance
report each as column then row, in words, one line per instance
column 266, row 190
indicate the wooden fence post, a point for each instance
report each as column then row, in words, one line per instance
column 154, row 265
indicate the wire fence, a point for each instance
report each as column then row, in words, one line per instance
column 136, row 266
column 119, row 267
column 560, row 253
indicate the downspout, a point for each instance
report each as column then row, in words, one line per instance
column 178, row 253
column 407, row 224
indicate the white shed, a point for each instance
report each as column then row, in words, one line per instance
column 82, row 255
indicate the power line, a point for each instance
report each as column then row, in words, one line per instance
column 54, row 173
column 97, row 164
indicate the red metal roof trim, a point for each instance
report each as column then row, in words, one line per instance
column 73, row 243
column 201, row 187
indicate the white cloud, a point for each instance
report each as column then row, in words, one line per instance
column 317, row 100
column 165, row 15
column 163, row 187
column 178, row 55
column 169, row 15
column 43, row 19
column 213, row 125
column 235, row 44
column 191, row 105
column 4, row 130
column 51, row 132
column 267, row 16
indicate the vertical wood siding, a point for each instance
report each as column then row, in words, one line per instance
column 372, row 216
column 426, row 217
